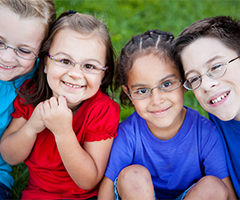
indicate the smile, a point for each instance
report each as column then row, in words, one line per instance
column 72, row 85
column 6, row 67
column 219, row 98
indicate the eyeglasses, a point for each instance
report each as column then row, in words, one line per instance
column 68, row 64
column 214, row 72
column 166, row 86
column 21, row 52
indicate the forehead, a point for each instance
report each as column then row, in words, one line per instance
column 74, row 43
column 203, row 49
column 151, row 69
column 21, row 31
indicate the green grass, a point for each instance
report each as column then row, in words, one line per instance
column 126, row 18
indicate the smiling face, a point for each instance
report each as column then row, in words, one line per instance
column 163, row 111
column 74, row 84
column 218, row 96
column 26, row 34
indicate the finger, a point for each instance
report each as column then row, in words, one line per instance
column 53, row 102
column 62, row 101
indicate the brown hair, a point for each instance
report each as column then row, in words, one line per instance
column 41, row 9
column 83, row 24
column 151, row 42
column 224, row 28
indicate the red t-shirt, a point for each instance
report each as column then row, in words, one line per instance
column 97, row 119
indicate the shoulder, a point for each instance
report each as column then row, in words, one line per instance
column 194, row 118
column 101, row 102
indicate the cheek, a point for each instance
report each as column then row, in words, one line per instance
column 28, row 65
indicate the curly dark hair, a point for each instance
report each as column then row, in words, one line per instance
column 151, row 42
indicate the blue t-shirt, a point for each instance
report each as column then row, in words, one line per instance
column 231, row 139
column 175, row 164
column 8, row 94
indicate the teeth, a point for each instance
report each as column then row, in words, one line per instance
column 73, row 86
column 219, row 98
column 6, row 67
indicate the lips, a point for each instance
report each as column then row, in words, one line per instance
column 72, row 85
column 213, row 101
column 6, row 67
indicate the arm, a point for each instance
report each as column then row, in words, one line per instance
column 106, row 190
column 86, row 165
column 231, row 192
column 19, row 138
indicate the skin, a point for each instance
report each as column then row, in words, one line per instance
column 56, row 113
column 164, row 114
column 21, row 33
column 197, row 58
column 163, row 111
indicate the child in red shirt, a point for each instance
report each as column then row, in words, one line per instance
column 64, row 122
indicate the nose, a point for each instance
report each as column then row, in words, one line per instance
column 76, row 72
column 8, row 54
column 208, row 83
column 157, row 96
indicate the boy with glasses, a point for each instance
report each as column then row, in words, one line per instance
column 163, row 150
column 208, row 53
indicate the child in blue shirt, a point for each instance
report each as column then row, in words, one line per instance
column 208, row 51
column 23, row 27
column 163, row 150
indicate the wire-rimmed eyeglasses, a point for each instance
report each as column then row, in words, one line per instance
column 166, row 86
column 68, row 63
column 214, row 72
column 21, row 52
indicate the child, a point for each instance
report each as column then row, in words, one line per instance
column 211, row 47
column 65, row 140
column 23, row 27
column 163, row 147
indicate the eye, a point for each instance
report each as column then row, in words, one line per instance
column 65, row 61
column 142, row 91
column 24, row 51
column 89, row 66
column 216, row 67
column 167, row 84
column 2, row 43
column 193, row 79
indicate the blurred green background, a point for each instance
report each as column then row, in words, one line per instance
column 127, row 18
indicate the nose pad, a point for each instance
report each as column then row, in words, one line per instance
column 157, row 96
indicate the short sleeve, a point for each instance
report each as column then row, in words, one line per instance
column 21, row 109
column 104, row 121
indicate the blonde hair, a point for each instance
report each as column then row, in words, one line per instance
column 39, row 9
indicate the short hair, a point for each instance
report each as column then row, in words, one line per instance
column 83, row 24
column 154, row 42
column 40, row 9
column 223, row 28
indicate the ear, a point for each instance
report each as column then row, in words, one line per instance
column 184, row 90
column 125, row 90
column 45, row 69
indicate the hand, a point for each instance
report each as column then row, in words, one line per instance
column 35, row 122
column 56, row 115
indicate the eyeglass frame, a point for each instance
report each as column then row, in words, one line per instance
column 160, row 87
column 16, row 51
column 209, row 74
column 74, row 63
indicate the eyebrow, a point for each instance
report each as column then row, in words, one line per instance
column 205, row 64
column 87, row 60
column 160, row 81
